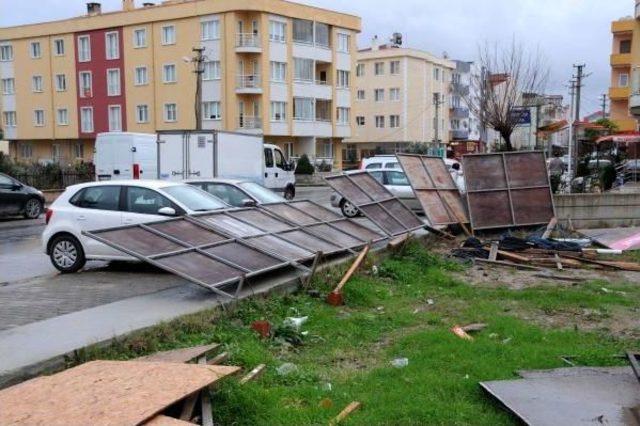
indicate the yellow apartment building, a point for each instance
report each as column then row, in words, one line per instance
column 625, row 56
column 271, row 67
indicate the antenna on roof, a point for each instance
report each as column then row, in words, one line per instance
column 396, row 39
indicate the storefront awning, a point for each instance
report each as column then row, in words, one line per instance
column 623, row 138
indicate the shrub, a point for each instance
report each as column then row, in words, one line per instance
column 607, row 177
column 304, row 166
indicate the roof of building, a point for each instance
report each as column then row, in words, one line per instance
column 389, row 51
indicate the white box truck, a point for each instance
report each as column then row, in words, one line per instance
column 122, row 155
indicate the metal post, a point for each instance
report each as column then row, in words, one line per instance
column 198, row 65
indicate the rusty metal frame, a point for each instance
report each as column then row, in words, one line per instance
column 435, row 188
column 380, row 203
column 508, row 189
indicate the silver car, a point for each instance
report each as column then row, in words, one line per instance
column 394, row 180
column 238, row 193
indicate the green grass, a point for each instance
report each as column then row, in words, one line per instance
column 387, row 316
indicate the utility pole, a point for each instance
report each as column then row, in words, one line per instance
column 572, row 92
column 198, row 69
column 437, row 102
column 604, row 106
column 579, row 77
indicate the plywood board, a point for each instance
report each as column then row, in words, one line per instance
column 615, row 238
column 167, row 421
column 179, row 356
column 105, row 393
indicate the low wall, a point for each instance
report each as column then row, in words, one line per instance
column 50, row 195
column 598, row 210
column 315, row 179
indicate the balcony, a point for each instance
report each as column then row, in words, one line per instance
column 248, row 43
column 624, row 25
column 460, row 134
column 626, row 124
column 318, row 89
column 459, row 113
column 619, row 93
column 621, row 60
column 634, row 105
column 250, row 124
column 249, row 84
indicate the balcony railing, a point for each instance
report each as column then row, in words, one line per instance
column 459, row 134
column 249, row 122
column 248, row 40
column 459, row 113
column 251, row 81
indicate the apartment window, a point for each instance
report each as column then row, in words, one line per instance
column 61, row 83
column 360, row 95
column 211, row 110
column 211, row 70
column 343, row 115
column 56, row 152
column 58, row 47
column 86, row 120
column 378, row 95
column 303, row 69
column 210, row 30
column 142, row 114
column 343, row 79
column 625, row 46
column 343, row 43
column 78, row 150
column 436, row 73
column 322, row 35
column 302, row 31
column 169, row 73
column 277, row 31
column 623, row 80
column 8, row 86
column 35, row 50
column 360, row 122
column 140, row 38
column 36, row 83
column 278, row 111
column 115, row 118
column 84, row 48
column 394, row 121
column 6, row 53
column 62, row 117
column 168, row 35
column 395, row 67
column 38, row 117
column 379, row 68
column 113, row 82
column 86, row 84
column 394, row 94
column 112, row 40
column 170, row 113
column 380, row 121
column 141, row 76
column 303, row 109
column 26, row 150
column 278, row 72
column 360, row 70
column 9, row 118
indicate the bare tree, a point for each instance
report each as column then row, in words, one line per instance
column 507, row 76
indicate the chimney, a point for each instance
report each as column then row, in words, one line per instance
column 128, row 5
column 94, row 9
column 375, row 44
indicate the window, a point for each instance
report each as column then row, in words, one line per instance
column 436, row 73
column 210, row 30
column 9, row 118
column 278, row 72
column 343, row 115
column 360, row 70
column 63, row 117
column 38, row 117
column 78, row 150
column 394, row 94
column 625, row 46
column 211, row 111
column 112, row 40
column 142, row 114
column 115, row 118
column 394, row 121
column 169, row 73
column 623, row 80
column 360, row 121
column 303, row 69
column 26, row 150
column 36, row 83
column 378, row 95
column 211, row 70
column 170, row 113
column 61, row 83
column 168, row 35
column 6, row 53
column 84, row 48
column 227, row 193
column 35, row 50
column 302, row 31
column 98, row 198
column 303, row 109
column 140, row 38
column 268, row 157
column 380, row 121
column 343, row 79
column 360, row 95
column 86, row 120
column 86, row 84
column 113, row 82
column 277, row 31
column 322, row 35
column 397, row 178
column 58, row 47
column 395, row 67
column 8, row 86
column 145, row 201
column 343, row 43
column 141, row 76
column 278, row 111
column 379, row 68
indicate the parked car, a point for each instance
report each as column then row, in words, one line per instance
column 394, row 180
column 100, row 205
column 380, row 162
column 16, row 198
column 238, row 193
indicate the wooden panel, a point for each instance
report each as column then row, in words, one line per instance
column 167, row 421
column 179, row 355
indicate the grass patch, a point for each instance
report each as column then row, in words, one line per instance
column 348, row 352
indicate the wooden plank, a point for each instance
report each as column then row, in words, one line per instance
column 507, row 264
column 316, row 261
column 398, row 241
column 512, row 256
column 219, row 359
column 550, row 227
column 623, row 266
column 345, row 413
column 253, row 374
column 188, row 405
column 560, row 278
column 179, row 355
column 105, row 393
column 354, row 266
column 205, row 401
column 493, row 253
column 163, row 420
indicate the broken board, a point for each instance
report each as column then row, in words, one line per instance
column 615, row 238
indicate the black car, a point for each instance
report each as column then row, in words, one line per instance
column 17, row 198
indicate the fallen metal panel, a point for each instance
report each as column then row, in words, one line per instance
column 434, row 188
column 282, row 247
column 200, row 267
column 185, row 231
column 343, row 239
column 261, row 220
column 244, row 256
column 310, row 242
column 144, row 242
column 316, row 210
column 287, row 212
column 508, row 189
column 615, row 238
column 352, row 228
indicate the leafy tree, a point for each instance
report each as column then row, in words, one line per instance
column 304, row 166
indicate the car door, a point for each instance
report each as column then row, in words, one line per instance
column 141, row 205
column 397, row 183
column 10, row 196
column 270, row 180
column 280, row 165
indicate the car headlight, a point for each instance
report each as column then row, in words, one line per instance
column 40, row 193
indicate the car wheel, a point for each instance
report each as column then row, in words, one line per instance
column 67, row 254
column 289, row 193
column 348, row 209
column 33, row 208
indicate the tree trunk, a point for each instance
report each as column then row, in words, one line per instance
column 506, row 136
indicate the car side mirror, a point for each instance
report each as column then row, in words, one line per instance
column 16, row 186
column 249, row 203
column 167, row 211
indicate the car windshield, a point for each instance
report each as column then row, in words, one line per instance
column 194, row 199
column 260, row 193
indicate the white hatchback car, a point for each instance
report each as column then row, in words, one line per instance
column 100, row 205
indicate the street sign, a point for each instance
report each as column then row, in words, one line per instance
column 520, row 115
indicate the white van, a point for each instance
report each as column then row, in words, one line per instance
column 122, row 155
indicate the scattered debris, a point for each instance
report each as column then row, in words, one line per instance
column 180, row 356
column 615, row 238
column 336, row 298
column 325, row 403
column 253, row 374
column 262, row 327
column 400, row 362
column 474, row 327
column 345, row 413
column 459, row 331
column 218, row 359
column 295, row 322
column 286, row 369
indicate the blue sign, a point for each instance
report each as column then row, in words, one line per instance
column 520, row 116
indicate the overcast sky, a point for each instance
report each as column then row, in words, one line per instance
column 568, row 31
